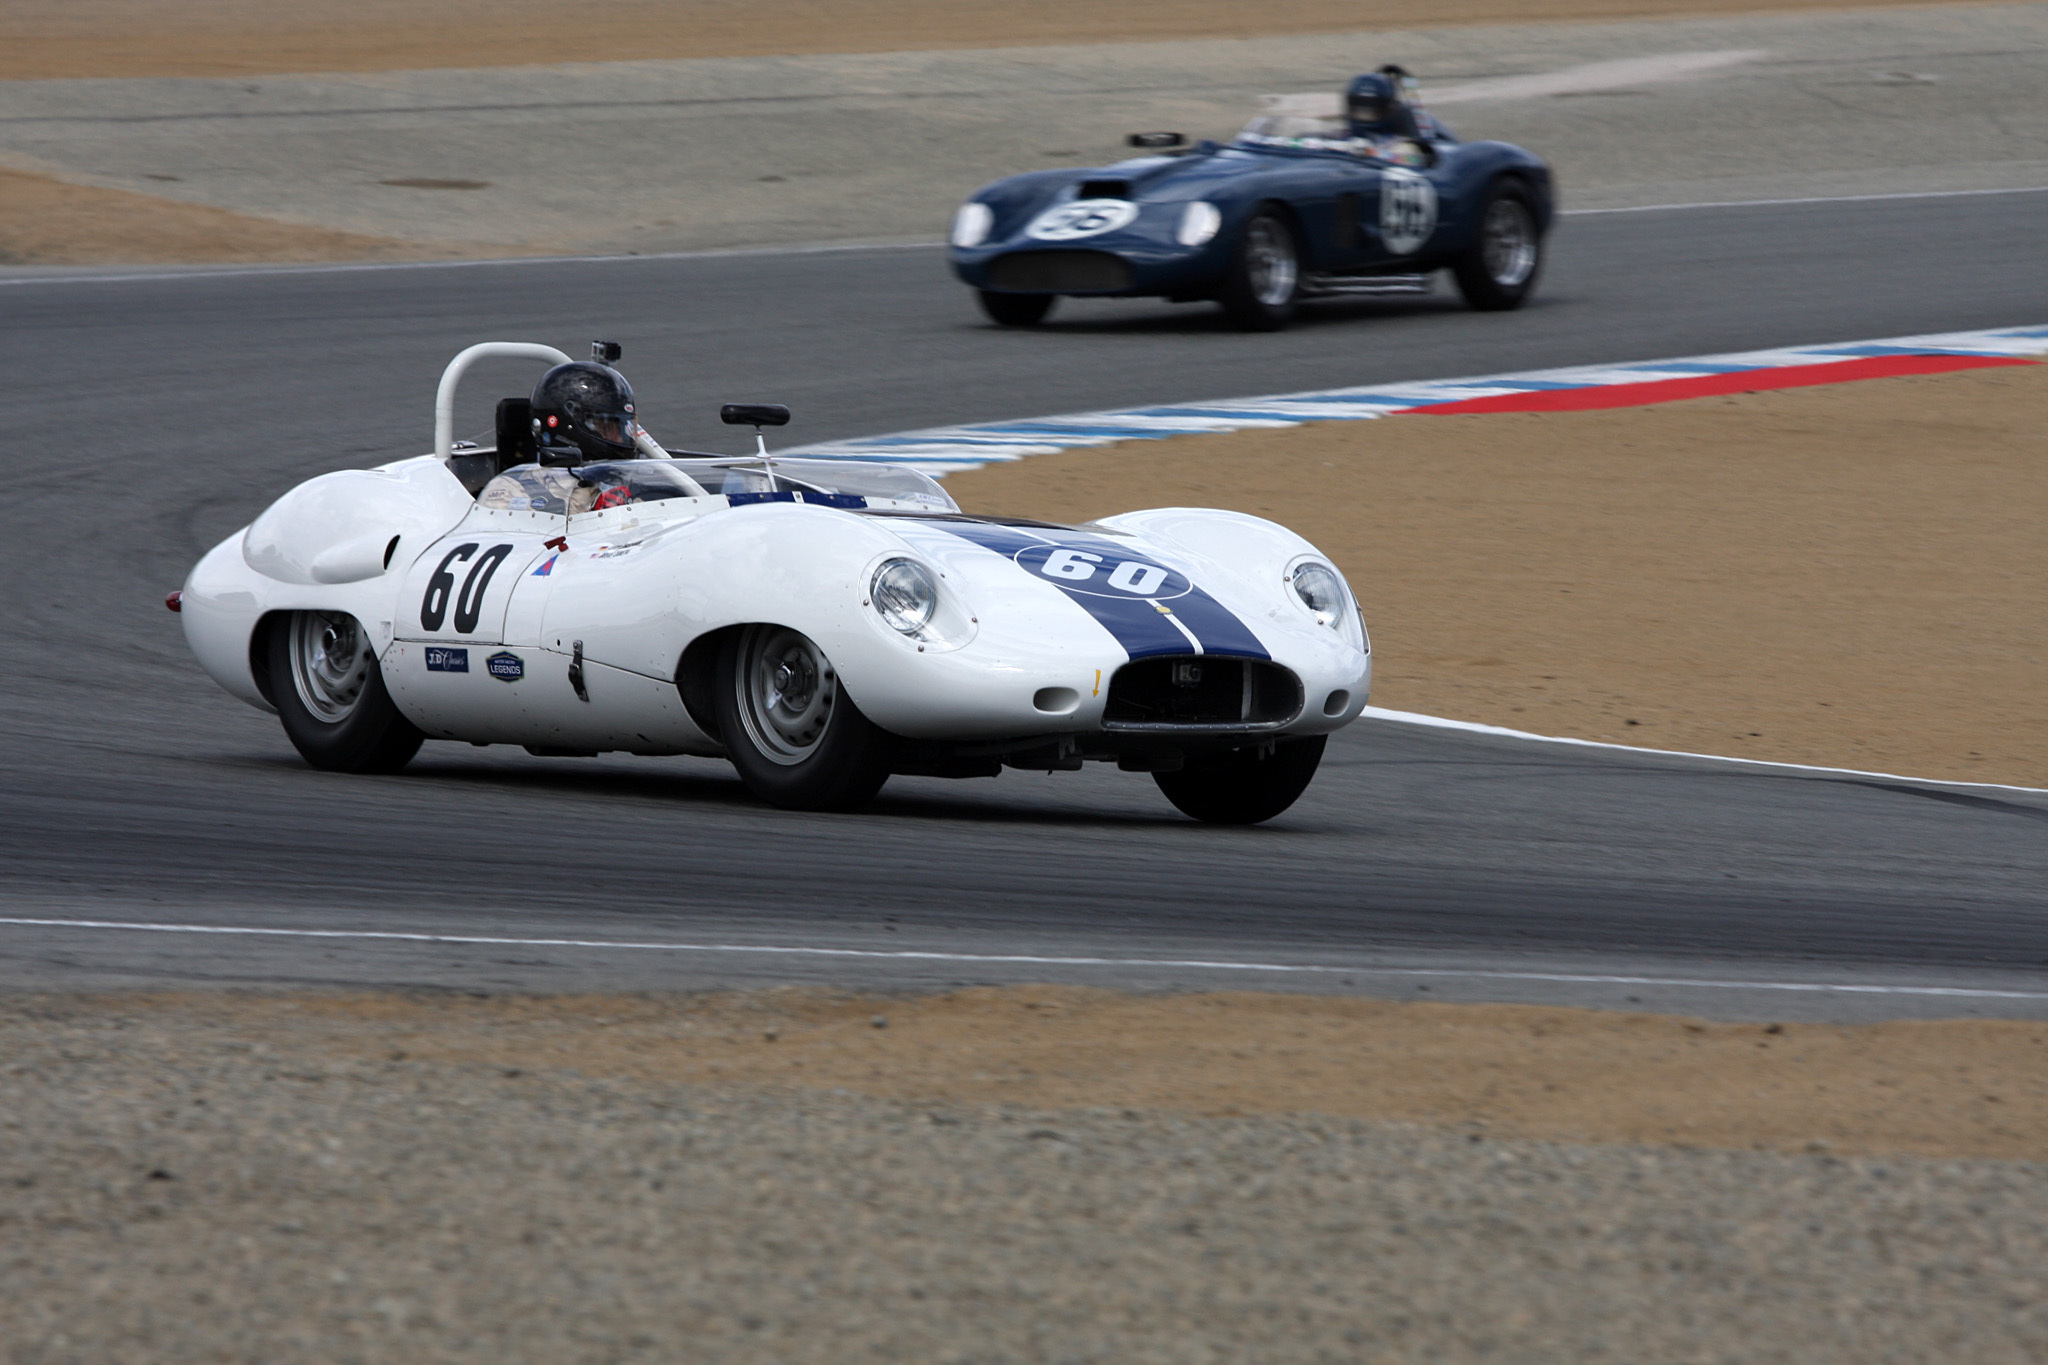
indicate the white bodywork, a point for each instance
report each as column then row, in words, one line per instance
column 1016, row 654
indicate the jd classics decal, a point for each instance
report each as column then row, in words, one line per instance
column 441, row 659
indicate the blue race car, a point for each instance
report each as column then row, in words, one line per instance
column 1365, row 196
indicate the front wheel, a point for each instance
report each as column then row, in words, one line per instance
column 1015, row 310
column 1499, row 271
column 330, row 695
column 1263, row 282
column 796, row 738
column 1243, row 786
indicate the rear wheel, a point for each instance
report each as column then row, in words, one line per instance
column 1499, row 271
column 1243, row 786
column 1015, row 310
column 1264, row 280
column 796, row 738
column 330, row 695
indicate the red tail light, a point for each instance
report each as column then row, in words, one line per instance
column 176, row 601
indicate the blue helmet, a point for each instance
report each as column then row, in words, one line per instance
column 1372, row 103
column 1377, row 105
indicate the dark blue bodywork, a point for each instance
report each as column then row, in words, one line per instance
column 1331, row 196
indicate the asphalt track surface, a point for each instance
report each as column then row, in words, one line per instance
column 153, row 415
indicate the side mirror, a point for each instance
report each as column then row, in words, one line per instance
column 754, row 415
column 1157, row 140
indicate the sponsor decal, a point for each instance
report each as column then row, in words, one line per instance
column 1082, row 218
column 547, row 567
column 1407, row 211
column 505, row 666
column 441, row 659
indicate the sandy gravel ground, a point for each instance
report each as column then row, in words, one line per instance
column 48, row 221
column 254, row 37
column 1849, row 575
column 721, row 151
column 205, row 1180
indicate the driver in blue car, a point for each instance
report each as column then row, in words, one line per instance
column 1383, row 113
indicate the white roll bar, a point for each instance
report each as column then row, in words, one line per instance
column 444, row 399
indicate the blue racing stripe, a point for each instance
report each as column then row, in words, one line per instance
column 1143, row 625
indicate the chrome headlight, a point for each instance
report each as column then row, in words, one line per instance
column 1322, row 591
column 1199, row 222
column 972, row 223
column 905, row 596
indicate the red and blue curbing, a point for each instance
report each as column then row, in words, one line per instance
column 943, row 450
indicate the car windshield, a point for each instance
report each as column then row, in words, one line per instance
column 852, row 478
column 1311, row 118
column 1288, row 127
column 596, row 487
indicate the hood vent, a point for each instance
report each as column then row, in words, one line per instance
column 1104, row 189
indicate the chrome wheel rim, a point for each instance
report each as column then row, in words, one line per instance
column 787, row 693
column 1269, row 262
column 1508, row 242
column 331, row 663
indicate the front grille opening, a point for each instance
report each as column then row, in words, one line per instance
column 1201, row 689
column 1104, row 189
column 1059, row 272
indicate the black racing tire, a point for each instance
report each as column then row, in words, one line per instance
column 330, row 694
column 1498, row 271
column 1015, row 310
column 796, row 738
column 1243, row 786
column 1262, row 285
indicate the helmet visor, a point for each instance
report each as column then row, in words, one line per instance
column 1368, row 108
column 611, row 428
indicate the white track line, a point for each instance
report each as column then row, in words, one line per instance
column 360, row 267
column 1592, row 77
column 826, row 248
column 1025, row 959
column 1815, row 199
column 1502, row 732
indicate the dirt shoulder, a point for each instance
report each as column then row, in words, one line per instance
column 1847, row 576
column 253, row 37
column 1950, row 1088
column 448, row 1179
column 50, row 222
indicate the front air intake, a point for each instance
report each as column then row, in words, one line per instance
column 1201, row 692
column 1104, row 189
column 1059, row 272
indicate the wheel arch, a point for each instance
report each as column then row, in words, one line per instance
column 1534, row 187
column 1288, row 213
column 697, row 676
column 259, row 653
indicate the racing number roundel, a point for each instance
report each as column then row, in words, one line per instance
column 1407, row 211
column 1102, row 575
column 468, row 600
column 1082, row 218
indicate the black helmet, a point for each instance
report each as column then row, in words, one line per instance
column 583, row 412
column 1370, row 102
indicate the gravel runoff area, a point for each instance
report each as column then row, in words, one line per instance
column 115, row 164
column 237, row 38
column 1872, row 550
column 274, row 1179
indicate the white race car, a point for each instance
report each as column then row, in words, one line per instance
column 819, row 623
